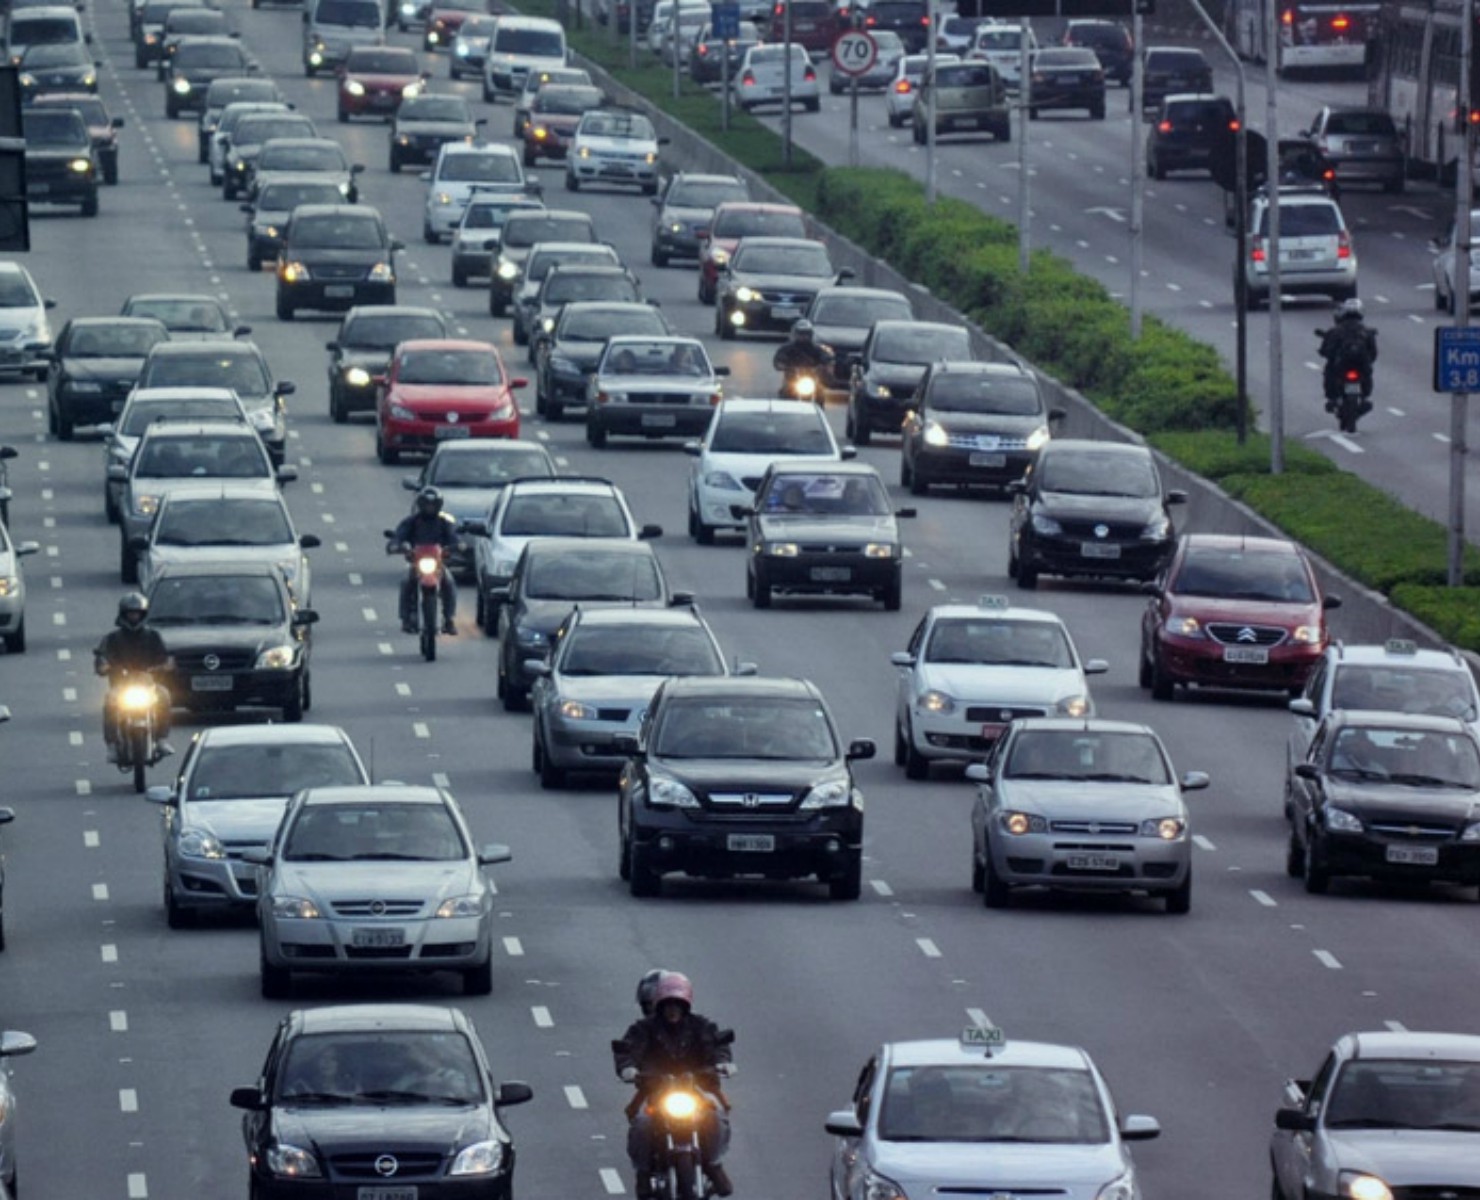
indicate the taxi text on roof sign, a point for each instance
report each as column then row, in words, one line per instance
column 983, row 1037
column 1400, row 646
column 993, row 602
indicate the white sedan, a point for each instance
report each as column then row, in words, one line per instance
column 614, row 146
column 762, row 78
column 13, row 591
column 1445, row 293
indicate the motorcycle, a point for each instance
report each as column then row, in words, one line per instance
column 427, row 566
column 1350, row 405
column 676, row 1104
column 802, row 383
column 135, row 698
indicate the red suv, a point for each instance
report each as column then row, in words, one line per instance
column 1233, row 612
column 812, row 24
column 436, row 390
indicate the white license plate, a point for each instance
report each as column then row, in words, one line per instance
column 339, row 291
column 453, row 431
column 751, row 843
column 210, row 683
column 992, row 732
column 988, row 460
column 1245, row 654
column 1414, row 856
column 378, row 938
column 830, row 574
column 1092, row 862
column 385, row 1193
column 1098, row 550
column 785, row 312
column 659, row 420
column 1300, row 255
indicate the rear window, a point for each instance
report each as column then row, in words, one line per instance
column 1098, row 35
column 1304, row 220
column 1066, row 58
column 386, row 332
column 1369, row 124
column 36, row 31
column 965, row 75
column 526, row 231
column 751, row 223
column 1176, row 60
column 1207, row 112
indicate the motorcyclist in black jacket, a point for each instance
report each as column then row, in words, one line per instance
column 1348, row 345
column 427, row 525
column 675, row 1040
column 801, row 352
column 131, row 648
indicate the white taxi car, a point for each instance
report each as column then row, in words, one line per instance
column 940, row 1117
column 614, row 146
column 13, row 591
column 970, row 669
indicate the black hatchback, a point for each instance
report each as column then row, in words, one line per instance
column 367, row 339
column 740, row 777
column 335, row 256
column 1188, row 132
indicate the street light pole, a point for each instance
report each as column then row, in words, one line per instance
column 1138, row 172
column 786, row 93
column 1025, row 88
column 1272, row 185
column 934, row 13
column 1464, row 192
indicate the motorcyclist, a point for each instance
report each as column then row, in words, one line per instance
column 675, row 1040
column 1348, row 345
column 646, row 987
column 132, row 648
column 427, row 525
column 801, row 352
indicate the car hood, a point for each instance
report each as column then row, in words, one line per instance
column 835, row 528
column 665, row 385
column 325, row 256
column 583, row 354
column 202, row 73
column 442, row 395
column 1072, row 1171
column 442, row 129
column 841, row 337
column 560, row 122
column 747, row 775
column 257, row 638
column 1398, row 803
column 331, row 882
column 895, row 373
column 372, row 79
column 13, row 320
column 102, row 368
column 633, row 147
column 632, row 691
column 160, row 556
column 782, row 283
column 751, row 466
column 1247, row 612
column 1079, row 800
column 546, row 615
column 1064, row 505
column 368, row 1128
column 1005, row 424
column 253, row 819
column 689, row 216
column 1409, row 1157
column 1005, row 685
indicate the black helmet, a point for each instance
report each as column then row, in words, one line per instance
column 131, row 604
column 429, row 501
column 646, row 987
column 1349, row 310
column 802, row 330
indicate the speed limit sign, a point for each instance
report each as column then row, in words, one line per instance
column 855, row 52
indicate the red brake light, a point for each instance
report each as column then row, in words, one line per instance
column 1328, row 173
column 1287, row 17
column 902, row 87
column 1162, row 127
column 1340, row 23
column 1256, row 250
column 1233, row 125
column 703, row 49
column 1344, row 245
column 870, row 20
column 1353, row 376
column 747, row 80
column 809, row 76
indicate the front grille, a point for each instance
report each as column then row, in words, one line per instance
column 1410, row 831
column 1247, row 635
column 677, row 398
column 1086, row 531
column 339, row 271
column 986, row 441
column 1000, row 714
column 801, row 298
column 830, row 548
column 751, row 800
column 1095, row 830
column 613, row 714
column 377, row 908
column 229, row 660
column 418, row 1163
column 1436, row 1192
column 377, row 952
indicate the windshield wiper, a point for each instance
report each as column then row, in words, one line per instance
column 1041, row 775
column 317, row 1098
column 1112, row 777
column 1427, row 781
column 396, row 1097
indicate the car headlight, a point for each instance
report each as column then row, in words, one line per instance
column 504, row 567
column 85, row 386
column 782, row 549
column 1471, row 833
column 507, row 271
column 146, row 505
column 401, row 413
column 1188, row 627
column 89, row 81
column 293, row 272
column 1073, row 706
column 880, row 1187
column 28, row 81
column 270, row 231
column 672, row 793
column 354, row 87
column 1038, row 438
column 650, row 157
column 1019, row 823
column 675, row 227
column 719, row 257
column 460, row 50
column 836, row 793
column 1157, row 531
column 300, row 908
column 574, row 710
column 548, row 324
column 263, row 419
column 9, row 585
column 935, row 434
column 357, row 377
column 197, row 843
column 182, row 87
column 881, row 390
column 413, row 89
column 879, row 550
column 444, row 198
column 277, row 658
column 1168, row 829
column 1360, row 1186
column 1123, row 1187
column 293, row 1162
column 585, row 152
column 745, row 295
column 80, row 166
column 1306, row 635
column 937, row 702
column 481, row 1158
column 723, row 481
column 289, row 568
column 461, row 906
column 1045, row 526
column 1338, row 820
column 530, row 637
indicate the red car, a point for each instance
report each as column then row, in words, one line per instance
column 733, row 221
column 443, row 23
column 375, row 79
column 812, row 25
column 436, row 390
column 1233, row 612
column 553, row 116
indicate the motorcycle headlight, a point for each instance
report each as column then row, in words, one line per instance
column 1338, row 820
column 293, row 1162
column 574, row 710
column 723, row 481
column 182, row 87
column 1121, row 1188
column 1357, row 1185
column 1019, row 823
column 197, row 843
column 834, row 794
column 1168, row 829
column 355, row 88
column 1038, row 438
column 719, row 257
column 1157, row 531
column 1189, row 627
column 507, row 271
column 935, row 434
column 672, row 793
column 782, row 549
column 481, row 1158
column 1306, row 635
column 300, row 908
column 936, row 702
column 879, row 550
column 428, row 565
column 745, row 295
column 382, row 272
column 1073, row 706
column 138, row 697
column 881, row 1187
column 277, row 658
column 680, row 1106
column 1045, row 526
column 548, row 323
column 460, row 906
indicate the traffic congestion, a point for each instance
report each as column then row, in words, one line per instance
column 523, row 675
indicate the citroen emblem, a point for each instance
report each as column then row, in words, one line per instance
column 386, row 1165
column 1102, row 531
column 1247, row 635
column 212, row 662
column 750, row 800
column 452, row 418
column 1005, row 715
column 377, row 907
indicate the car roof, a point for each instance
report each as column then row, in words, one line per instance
column 1007, row 370
column 515, row 22
column 116, row 322
column 1082, row 725
column 196, row 428
column 810, row 466
column 272, row 735
column 1382, row 1044
column 1238, row 541
column 345, row 1018
column 490, row 446
column 670, row 339
column 359, row 212
column 1418, row 722
column 562, row 483
column 153, row 395
column 758, row 206
column 444, row 344
column 1011, row 612
column 1387, row 655
column 568, row 247
column 683, row 615
column 780, row 687
column 862, row 293
column 450, row 148
column 397, row 793
column 208, row 39
column 206, row 348
column 746, row 404
column 616, row 547
column 394, row 310
column 908, row 323
column 783, row 243
column 1070, row 445
column 949, row 1052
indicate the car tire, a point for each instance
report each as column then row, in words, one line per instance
column 277, row 982
column 918, row 134
column 478, row 981
column 995, row 893
column 595, row 436
column 429, row 235
column 812, row 105
column 176, row 915
column 848, row 885
column 1143, row 669
column 395, row 164
column 659, row 258
column 703, row 532
column 110, row 168
column 65, row 430
column 722, row 324
column 918, row 484
column 895, row 121
column 1162, row 686
column 1097, row 112
column 1179, row 900
column 294, row 706
column 128, row 563
column 1317, row 877
column 1027, row 577
column 1294, row 856
column 572, row 184
column 978, row 876
column 916, row 765
column 90, row 204
column 860, row 434
column 337, row 412
column 892, row 597
column 110, row 510
column 387, row 456
column 1033, row 113
column 706, row 293
column 552, row 777
column 15, row 642
column 760, row 591
column 459, row 277
column 284, row 308
column 642, row 881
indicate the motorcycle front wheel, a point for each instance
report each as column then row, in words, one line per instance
column 429, row 624
column 138, row 750
column 685, row 1173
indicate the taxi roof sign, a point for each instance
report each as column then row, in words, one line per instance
column 1400, row 646
column 983, row 1037
column 996, row 602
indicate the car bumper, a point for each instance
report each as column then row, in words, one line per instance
column 567, row 386
column 472, row 262
column 754, row 96
column 428, row 435
column 211, row 883
column 377, row 104
column 1108, row 560
column 339, row 295
column 762, row 315
column 683, row 243
column 1367, row 170
column 1368, row 855
column 882, row 414
column 714, row 506
column 228, row 690
column 652, row 420
column 1113, row 863
column 58, row 190
column 352, row 398
column 419, row 149
column 600, row 170
column 452, row 944
column 1204, row 663
column 1332, row 281
column 822, row 846
column 13, row 608
column 951, row 736
column 92, row 408
column 829, row 574
column 587, row 745
column 967, row 467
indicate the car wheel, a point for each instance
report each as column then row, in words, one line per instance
column 703, row 533
column 642, row 880
column 722, row 325
column 337, row 412
column 706, row 292
column 916, row 765
column 895, row 121
column 128, row 563
column 572, row 184
column 978, row 876
column 918, row 484
column 813, row 105
column 478, row 981
column 459, row 277
column 848, row 885
column 995, row 893
column 428, row 234
column 861, row 435
column 1027, row 577
column 15, row 643
column 110, row 510
column 64, row 427
column 176, row 915
column 760, row 591
column 1294, row 856
column 659, row 257
column 284, row 308
column 1179, row 900
column 395, row 164
column 1317, row 878
column 1097, row 112
column 90, row 204
column 277, row 982
column 1162, row 686
column 294, row 706
column 511, row 695
column 110, row 168
column 893, row 595
column 383, row 451
column 919, row 135
column 551, row 776
column 595, row 436
column 1143, row 668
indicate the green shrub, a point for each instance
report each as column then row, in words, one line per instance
column 1216, row 454
column 1453, row 613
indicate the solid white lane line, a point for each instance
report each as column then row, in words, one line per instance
column 100, row 891
column 403, row 689
column 513, row 947
column 128, row 1100
column 1396, row 1026
column 1202, row 843
column 118, row 1021
column 542, row 1017
column 881, row 887
column 928, row 948
column 138, row 1186
column 90, row 838
column 611, row 1181
column 420, row 729
column 109, row 952
column 1327, row 959
column 575, row 1097
column 1263, row 898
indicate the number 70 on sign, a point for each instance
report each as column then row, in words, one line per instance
column 855, row 52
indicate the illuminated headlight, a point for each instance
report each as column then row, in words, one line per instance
column 276, row 658
column 434, row 37
column 671, row 792
column 585, row 152
column 460, row 906
column 316, row 57
column 444, row 199
column 87, row 386
column 28, row 80
column 292, row 1162
column 745, row 295
column 526, row 636
column 675, row 227
column 344, row 188
column 182, row 87
column 881, row 1187
column 404, row 140
column 1038, row 438
column 197, row 843
column 781, row 549
column 9, row 585
column 413, row 89
column 881, row 390
column 507, row 270
column 1471, row 833
column 1157, row 531
column 834, row 794
column 89, row 81
column 935, row 434
column 408, row 10
column 354, row 87
column 936, row 702
column 146, row 506
column 80, row 166
column 1306, row 635
column 1338, row 820
column 481, row 1158
column 151, row 39
column 1358, row 1186
column 300, row 908
column 293, row 272
column 382, row 272
column 1188, row 627
column 1073, row 706
column 719, row 257
column 574, row 710
column 650, row 157
column 460, row 50
column 541, row 133
column 1168, row 829
column 681, row 1106
column 723, row 481
column 1121, row 1188
column 139, row 698
column 548, row 324
column 1020, row 823
column 879, row 550
column 357, row 377
column 271, row 231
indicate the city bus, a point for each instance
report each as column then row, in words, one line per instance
column 1314, row 35
column 1414, row 75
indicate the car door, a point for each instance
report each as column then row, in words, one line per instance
column 850, row 1163
column 1303, row 725
column 509, row 614
column 909, row 677
column 1292, row 1153
column 1306, row 795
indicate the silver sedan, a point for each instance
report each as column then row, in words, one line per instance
column 12, row 1045
column 13, row 591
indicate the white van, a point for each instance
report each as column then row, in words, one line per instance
column 521, row 45
column 44, row 25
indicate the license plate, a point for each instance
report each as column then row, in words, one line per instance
column 339, row 291
column 992, row 732
column 210, row 683
column 1098, row 550
column 1414, row 856
column 1300, row 255
column 378, row 938
column 385, row 1193
column 37, row 189
column 988, row 460
column 659, row 420
column 1092, row 862
column 831, row 574
column 1245, row 654
column 453, row 431
column 785, row 312
column 751, row 843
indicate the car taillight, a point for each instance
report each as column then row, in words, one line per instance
column 1287, row 17
column 1256, row 250
column 870, row 20
column 809, row 76
column 1354, row 376
column 703, row 49
column 902, row 87
column 1344, row 245
column 1164, row 127
column 925, row 21
column 1233, row 125
column 1328, row 174
column 1340, row 24
column 747, row 80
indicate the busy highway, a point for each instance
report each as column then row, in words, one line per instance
column 143, row 1030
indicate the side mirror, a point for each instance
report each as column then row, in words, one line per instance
column 1096, row 666
column 1307, row 771
column 1176, row 496
column 332, row 347
column 309, row 541
column 861, row 748
column 117, row 473
column 412, row 483
column 258, row 858
column 902, row 658
column 537, row 667
column 494, row 853
column 648, row 532
column 518, row 382
column 305, row 616
column 1330, row 601
column 656, row 202
column 905, row 512
column 397, row 244
column 848, row 453
column 8, row 452
column 425, row 177
column 1195, row 781
column 843, row 1124
column 159, row 794
column 693, row 449
column 249, row 209
column 499, row 595
column 534, row 187
column 512, row 1093
column 476, row 526
column 1151, row 589
column 116, row 122
column 241, row 331
column 249, row 1098
column 1056, row 415
column 138, row 543
column 681, row 600
column 1303, row 707
column 978, row 773
column 722, row 371
column 846, row 273
column 287, row 473
column 663, row 141
column 1138, row 1128
column 741, row 511
column 745, row 668
column 1294, row 1120
column 284, row 387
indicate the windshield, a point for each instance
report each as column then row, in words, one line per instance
column 285, row 197
column 987, row 1103
column 209, row 54
column 373, row 831
column 493, row 216
column 93, row 112
column 480, row 168
column 184, row 314
column 56, row 54
column 386, row 333
column 1304, row 220
column 764, row 727
column 635, row 650
column 565, row 286
column 1405, row 690
column 525, row 230
column 302, row 158
column 656, row 358
column 1390, row 1094
column 771, row 433
column 598, row 326
column 535, row 43
column 216, row 600
column 618, row 125
column 362, row 13
column 592, row 575
column 245, row 374
column 1082, row 754
column 382, row 61
column 920, row 346
column 1362, row 124
column 487, row 469
column 1236, row 574
column 113, row 341
column 139, row 417
column 219, row 522
column 541, row 265
column 202, row 457
column 703, row 193
column 1075, row 473
column 465, row 368
column 1083, row 60
column 799, row 494
column 568, row 101
column 54, row 127
column 1417, row 757
column 998, row 642
column 253, row 131
column 748, row 222
column 398, row 1067
column 435, row 108
column 564, row 516
column 1001, row 394
column 265, row 770
column 859, row 312
column 17, row 290
column 809, row 260
column 337, row 233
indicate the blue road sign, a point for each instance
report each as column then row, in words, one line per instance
column 724, row 21
column 1457, row 360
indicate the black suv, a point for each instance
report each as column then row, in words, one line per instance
column 1188, row 133
column 908, row 18
column 195, row 65
column 235, row 638
column 60, row 165
column 335, row 256
column 362, row 349
column 1091, row 509
column 1111, row 42
column 889, row 369
column 1172, row 70
column 685, row 209
column 973, row 424
column 740, row 777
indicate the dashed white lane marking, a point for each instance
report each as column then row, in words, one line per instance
column 84, row 787
column 403, row 689
column 385, row 648
column 328, row 518
column 118, row 1021
column 90, row 839
column 48, row 494
column 1202, row 843
column 1348, row 445
column 420, row 729
column 74, row 738
column 369, row 614
column 1327, row 959
column 56, row 581
column 69, row 695
column 513, row 947
column 1263, row 898
column 138, row 1186
column 341, row 547
column 611, row 1181
column 575, row 1097
column 58, row 618
column 64, row 656
column 936, row 584
column 53, row 552
column 439, row 779
column 1397, row 412
column 978, row 1016
column 1396, row 1026
column 100, row 891
column 109, row 952
column 128, row 1100
column 356, row 579
column 542, row 1017
column 316, row 488
column 881, row 887
column 1441, row 437
column 928, row 948
column 542, row 434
